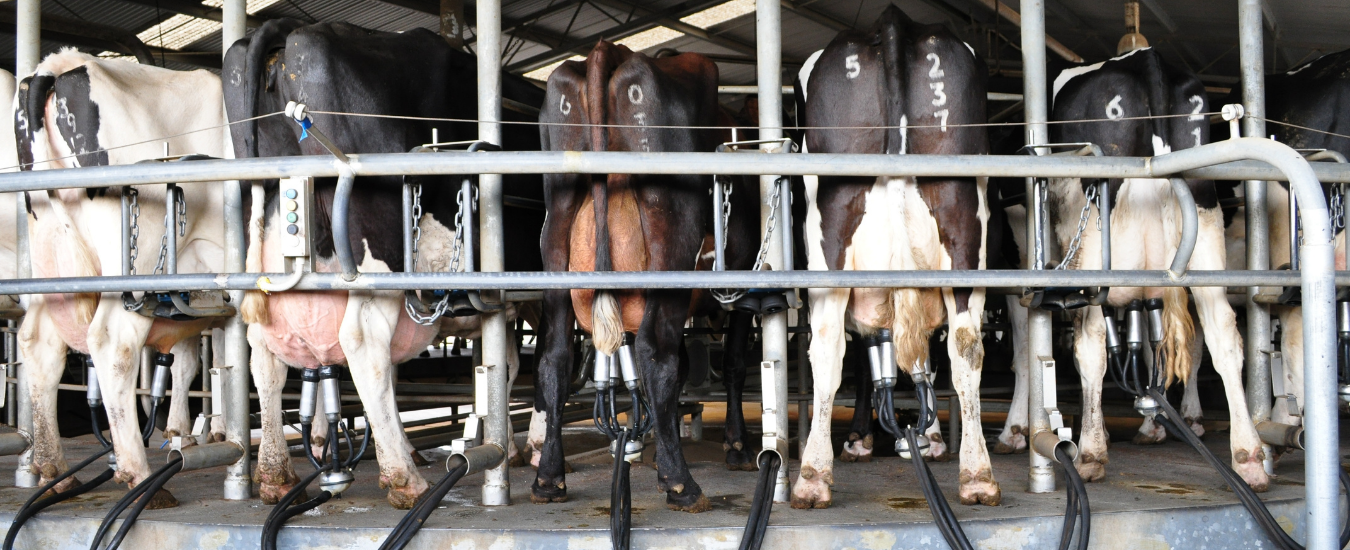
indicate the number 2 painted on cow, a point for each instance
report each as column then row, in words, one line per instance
column 851, row 67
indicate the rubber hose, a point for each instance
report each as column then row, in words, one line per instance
column 620, row 497
column 98, row 430
column 937, row 503
column 306, row 432
column 155, row 485
column 758, row 521
column 289, row 512
column 1249, row 499
column 417, row 517
column 1077, row 496
column 31, row 509
column 127, row 500
column 149, row 428
column 276, row 518
column 365, row 444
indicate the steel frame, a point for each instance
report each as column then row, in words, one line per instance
column 1250, row 158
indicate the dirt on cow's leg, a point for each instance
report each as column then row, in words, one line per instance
column 275, row 473
column 812, row 487
column 274, row 482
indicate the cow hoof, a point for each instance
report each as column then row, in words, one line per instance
column 811, row 493
column 979, row 488
column 1091, row 467
column 688, row 502
column 218, row 437
column 420, row 460
column 740, row 459
column 403, row 498
column 1152, row 437
column 162, row 499
column 517, row 460
column 544, row 492
column 567, row 467
column 272, row 487
column 937, row 450
column 1197, row 425
column 857, row 449
column 1012, row 442
column 66, row 484
column 1248, row 465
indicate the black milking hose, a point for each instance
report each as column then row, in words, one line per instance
column 277, row 517
column 31, row 509
column 758, row 521
column 621, row 497
column 943, row 516
column 1078, row 508
column 156, row 482
column 1253, row 503
column 130, row 498
column 417, row 517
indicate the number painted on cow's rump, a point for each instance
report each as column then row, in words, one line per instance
column 1196, row 104
column 635, row 94
column 1113, row 109
column 939, row 97
column 851, row 67
column 564, row 106
column 936, row 71
column 1196, row 133
column 942, row 118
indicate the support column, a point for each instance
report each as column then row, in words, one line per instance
column 1036, row 102
column 496, row 481
column 235, row 379
column 27, row 54
column 1258, row 345
column 769, row 53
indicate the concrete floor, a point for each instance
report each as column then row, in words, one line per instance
column 1155, row 497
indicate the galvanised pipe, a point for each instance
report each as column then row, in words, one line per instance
column 210, row 455
column 234, row 378
column 28, row 46
column 1190, row 226
column 1319, row 318
column 497, row 423
column 342, row 200
column 576, row 162
column 27, row 54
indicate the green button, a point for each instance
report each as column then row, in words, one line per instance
column 291, row 217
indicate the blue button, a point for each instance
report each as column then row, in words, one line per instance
column 292, row 229
column 290, row 193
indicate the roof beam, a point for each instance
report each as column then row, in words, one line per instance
column 433, row 7
column 194, row 9
column 696, row 32
column 60, row 29
column 583, row 45
column 1063, row 12
column 1171, row 26
column 1013, row 17
column 823, row 19
column 529, row 20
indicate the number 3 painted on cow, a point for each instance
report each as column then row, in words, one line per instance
column 852, row 67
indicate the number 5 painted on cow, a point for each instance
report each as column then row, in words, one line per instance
column 852, row 67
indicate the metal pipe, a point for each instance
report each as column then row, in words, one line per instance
column 619, row 280
column 1036, row 102
column 1319, row 293
column 1190, row 226
column 14, row 443
column 1283, row 435
column 575, row 162
column 496, row 481
column 28, row 47
column 234, row 375
column 342, row 200
column 719, row 230
column 1039, row 28
column 171, row 195
column 408, row 222
column 11, row 360
column 1258, row 341
column 1044, row 443
column 468, row 265
column 1293, row 232
column 211, row 455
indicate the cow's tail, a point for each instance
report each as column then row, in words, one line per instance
column 270, row 36
column 606, row 320
column 1159, row 96
column 254, row 309
column 891, row 26
column 1178, row 331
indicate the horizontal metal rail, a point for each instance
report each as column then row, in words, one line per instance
column 573, row 162
column 665, row 279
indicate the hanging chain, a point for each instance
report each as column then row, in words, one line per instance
column 727, row 296
column 1337, row 208
column 416, row 221
column 135, row 232
column 1082, row 225
column 457, row 247
column 181, row 206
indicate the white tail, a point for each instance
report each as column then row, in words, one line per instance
column 1178, row 331
column 606, row 323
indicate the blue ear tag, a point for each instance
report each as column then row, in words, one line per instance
column 304, row 127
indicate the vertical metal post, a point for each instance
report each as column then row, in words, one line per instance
column 207, row 356
column 1258, row 343
column 496, row 481
column 238, row 476
column 769, row 53
column 1042, row 478
column 11, row 355
column 27, row 26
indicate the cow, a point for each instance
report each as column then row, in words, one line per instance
column 1146, row 225
column 344, row 68
column 896, row 74
column 78, row 110
column 621, row 222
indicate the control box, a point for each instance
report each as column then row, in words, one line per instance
column 296, row 206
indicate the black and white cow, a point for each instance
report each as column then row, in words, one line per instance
column 79, row 110
column 343, row 68
column 1145, row 228
column 621, row 222
column 914, row 87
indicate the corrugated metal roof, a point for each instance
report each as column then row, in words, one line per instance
column 1203, row 36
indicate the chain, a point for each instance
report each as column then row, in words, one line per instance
column 182, row 212
column 1082, row 225
column 457, row 248
column 133, row 195
column 417, row 222
column 728, row 296
column 1337, row 207
column 181, row 206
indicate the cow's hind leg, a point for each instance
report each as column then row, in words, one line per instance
column 1014, row 436
column 186, row 363
column 44, row 356
column 275, row 473
column 858, row 447
column 812, row 489
column 734, row 365
column 966, row 350
column 1089, row 348
column 657, row 348
column 1190, row 397
column 552, row 376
